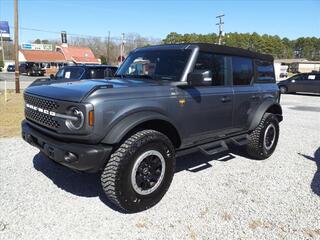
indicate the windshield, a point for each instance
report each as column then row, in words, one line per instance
column 70, row 73
column 155, row 64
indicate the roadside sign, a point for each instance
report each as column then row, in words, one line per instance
column 5, row 30
column 64, row 37
column 34, row 46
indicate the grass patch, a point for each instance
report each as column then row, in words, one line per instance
column 11, row 114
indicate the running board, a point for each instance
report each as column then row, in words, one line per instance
column 213, row 148
column 240, row 140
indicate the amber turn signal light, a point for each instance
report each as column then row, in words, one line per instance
column 91, row 118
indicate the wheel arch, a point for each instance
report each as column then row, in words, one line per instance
column 268, row 106
column 139, row 121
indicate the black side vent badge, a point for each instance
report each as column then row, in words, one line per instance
column 106, row 86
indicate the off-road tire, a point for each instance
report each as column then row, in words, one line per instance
column 116, row 177
column 255, row 147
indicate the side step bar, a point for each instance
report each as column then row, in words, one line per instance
column 215, row 147
column 240, row 140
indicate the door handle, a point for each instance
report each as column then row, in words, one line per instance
column 254, row 97
column 225, row 99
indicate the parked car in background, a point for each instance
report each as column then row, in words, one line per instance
column 79, row 72
column 31, row 69
column 11, row 68
column 283, row 75
column 303, row 82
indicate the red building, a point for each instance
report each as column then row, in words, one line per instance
column 63, row 55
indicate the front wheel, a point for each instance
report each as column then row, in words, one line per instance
column 263, row 140
column 140, row 171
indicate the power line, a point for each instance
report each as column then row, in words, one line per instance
column 76, row 34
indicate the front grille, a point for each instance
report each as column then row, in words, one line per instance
column 40, row 117
column 42, row 103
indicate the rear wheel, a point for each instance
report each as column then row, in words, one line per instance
column 263, row 140
column 140, row 171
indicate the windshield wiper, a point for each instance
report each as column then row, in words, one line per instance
column 120, row 75
column 138, row 76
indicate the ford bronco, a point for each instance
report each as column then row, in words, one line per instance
column 164, row 101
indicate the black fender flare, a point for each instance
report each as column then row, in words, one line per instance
column 125, row 125
column 263, row 108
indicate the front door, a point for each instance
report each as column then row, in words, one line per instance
column 208, row 109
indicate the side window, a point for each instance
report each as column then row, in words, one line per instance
column 217, row 64
column 73, row 73
column 242, row 70
column 311, row 77
column 264, row 70
column 96, row 73
column 300, row 77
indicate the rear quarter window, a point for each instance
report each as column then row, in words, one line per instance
column 264, row 71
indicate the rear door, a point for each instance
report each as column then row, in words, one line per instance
column 310, row 84
column 246, row 93
column 317, row 83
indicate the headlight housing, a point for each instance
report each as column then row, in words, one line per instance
column 76, row 120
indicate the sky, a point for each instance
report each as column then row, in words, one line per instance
column 155, row 19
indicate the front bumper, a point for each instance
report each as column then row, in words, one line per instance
column 82, row 157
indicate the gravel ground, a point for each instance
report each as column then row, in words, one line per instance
column 222, row 197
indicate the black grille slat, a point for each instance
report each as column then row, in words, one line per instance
column 42, row 103
column 39, row 117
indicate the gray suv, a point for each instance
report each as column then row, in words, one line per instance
column 163, row 102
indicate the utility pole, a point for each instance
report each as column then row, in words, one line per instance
column 108, row 48
column 122, row 48
column 16, row 45
column 220, row 23
column 5, row 80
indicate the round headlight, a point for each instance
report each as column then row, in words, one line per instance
column 76, row 123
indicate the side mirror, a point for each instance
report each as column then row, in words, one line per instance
column 51, row 76
column 200, row 78
column 108, row 73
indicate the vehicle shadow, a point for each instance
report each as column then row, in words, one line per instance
column 196, row 162
column 315, row 184
column 77, row 183
column 88, row 184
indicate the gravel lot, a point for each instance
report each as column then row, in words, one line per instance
column 225, row 197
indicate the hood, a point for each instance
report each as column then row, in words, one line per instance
column 76, row 91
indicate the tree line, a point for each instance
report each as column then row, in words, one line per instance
column 109, row 51
column 303, row 47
